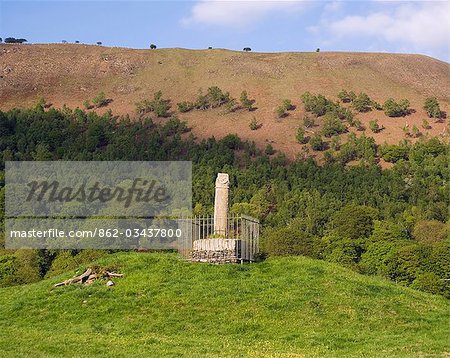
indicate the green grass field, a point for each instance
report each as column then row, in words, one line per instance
column 283, row 307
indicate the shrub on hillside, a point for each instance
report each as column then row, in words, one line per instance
column 374, row 126
column 393, row 153
column 158, row 105
column 213, row 98
column 353, row 221
column 425, row 124
column 185, row 106
column 362, row 103
column 100, row 100
column 432, row 107
column 202, row 101
column 362, row 147
column 254, row 125
column 308, row 121
column 316, row 142
column 332, row 126
column 388, row 231
column 246, row 102
column 346, row 97
column 300, row 135
column 288, row 241
column 403, row 264
column 216, row 97
column 431, row 283
column 396, row 109
column 343, row 251
column 317, row 104
column 429, row 231
column 21, row 267
column 269, row 149
column 280, row 112
column 287, row 105
column 374, row 259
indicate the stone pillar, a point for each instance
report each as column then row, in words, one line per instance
column 221, row 204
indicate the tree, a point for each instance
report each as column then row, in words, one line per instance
column 425, row 124
column 269, row 149
column 358, row 125
column 332, row 126
column 396, row 109
column 210, row 48
column 246, row 49
column 100, row 100
column 415, row 131
column 152, row 46
column 185, row 106
column 362, row 103
column 87, row 104
column 289, row 241
column 287, row 104
column 393, row 153
column 300, row 136
column 429, row 231
column 1, row 40
column 403, row 264
column 388, row 231
column 216, row 97
column 281, row 112
column 64, row 41
column 13, row 40
column 77, row 42
column 317, row 49
column 245, row 101
column 432, row 107
column 308, row 121
column 316, row 142
column 353, row 221
column 346, row 97
column 99, row 43
column 254, row 124
column 374, row 126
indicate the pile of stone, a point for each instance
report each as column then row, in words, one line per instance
column 216, row 257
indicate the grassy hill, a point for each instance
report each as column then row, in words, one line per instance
column 283, row 307
column 70, row 74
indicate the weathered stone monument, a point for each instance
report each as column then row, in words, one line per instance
column 224, row 239
column 221, row 205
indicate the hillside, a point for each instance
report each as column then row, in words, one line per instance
column 166, row 307
column 69, row 74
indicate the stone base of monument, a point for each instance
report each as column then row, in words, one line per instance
column 218, row 251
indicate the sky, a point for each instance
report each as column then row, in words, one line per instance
column 265, row 26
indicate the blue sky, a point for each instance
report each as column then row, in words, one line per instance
column 265, row 26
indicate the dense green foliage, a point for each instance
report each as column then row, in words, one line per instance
column 166, row 307
column 405, row 203
column 362, row 103
column 432, row 107
column 346, row 97
column 158, row 105
column 396, row 109
column 332, row 125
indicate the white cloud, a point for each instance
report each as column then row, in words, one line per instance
column 236, row 13
column 424, row 25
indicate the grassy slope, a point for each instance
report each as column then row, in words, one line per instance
column 69, row 74
column 166, row 307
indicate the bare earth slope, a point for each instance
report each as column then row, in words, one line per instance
column 70, row 74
